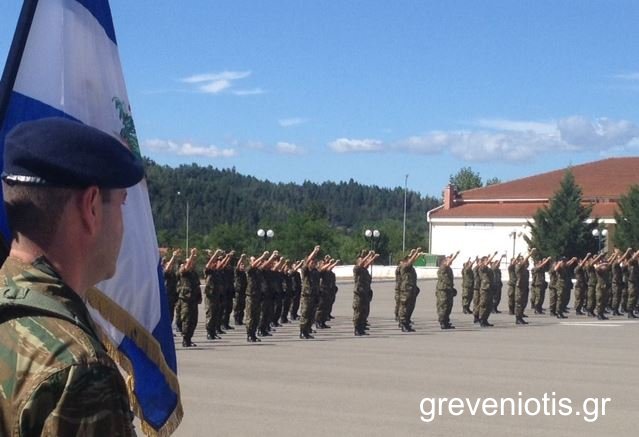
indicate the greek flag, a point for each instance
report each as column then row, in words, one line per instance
column 64, row 62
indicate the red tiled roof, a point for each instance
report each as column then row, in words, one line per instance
column 601, row 181
column 512, row 210
column 608, row 178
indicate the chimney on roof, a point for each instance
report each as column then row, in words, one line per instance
column 450, row 193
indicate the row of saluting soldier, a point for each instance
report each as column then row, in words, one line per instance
column 265, row 292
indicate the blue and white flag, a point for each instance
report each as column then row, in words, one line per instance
column 67, row 64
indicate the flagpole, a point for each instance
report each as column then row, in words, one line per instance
column 9, row 75
column 15, row 54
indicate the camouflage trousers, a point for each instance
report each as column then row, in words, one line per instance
column 467, row 296
column 266, row 311
column 178, row 315
column 617, row 290
column 188, row 316
column 286, row 304
column 497, row 295
column 227, row 306
column 295, row 305
column 476, row 299
column 397, row 302
column 632, row 298
column 521, row 299
column 444, row 305
column 239, row 304
column 308, row 304
column 321, row 312
column 602, row 300
column 485, row 306
column 333, row 295
column 511, row 299
column 172, row 298
column 213, row 311
column 591, row 299
column 252, row 313
column 277, row 307
column 407, row 301
column 537, row 297
column 361, row 308
column 580, row 296
column 552, row 299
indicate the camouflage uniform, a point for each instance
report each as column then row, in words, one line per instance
column 239, row 303
column 309, row 299
column 325, row 287
column 497, row 287
column 591, row 297
column 617, row 287
column 190, row 296
column 580, row 288
column 468, row 280
column 266, row 310
column 213, row 290
column 445, row 292
column 287, row 289
column 603, row 290
column 539, row 286
column 398, row 285
column 170, row 284
column 56, row 377
column 560, row 286
column 333, row 292
column 633, row 283
column 512, row 281
column 553, row 287
column 522, row 286
column 407, row 294
column 485, row 298
column 567, row 290
column 361, row 298
column 277, row 286
column 253, row 302
column 297, row 293
column 476, row 292
column 228, row 279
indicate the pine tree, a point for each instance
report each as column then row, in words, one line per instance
column 560, row 229
column 627, row 218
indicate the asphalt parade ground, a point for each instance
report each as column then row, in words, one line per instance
column 392, row 383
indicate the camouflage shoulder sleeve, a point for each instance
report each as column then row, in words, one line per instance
column 57, row 380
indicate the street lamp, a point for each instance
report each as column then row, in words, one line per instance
column 265, row 235
column 187, row 224
column 373, row 236
column 514, row 234
column 598, row 235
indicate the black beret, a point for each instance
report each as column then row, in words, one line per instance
column 59, row 152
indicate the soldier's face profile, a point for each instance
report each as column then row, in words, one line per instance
column 111, row 231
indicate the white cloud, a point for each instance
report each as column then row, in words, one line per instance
column 510, row 140
column 627, row 76
column 289, row 122
column 215, row 83
column 251, row 92
column 289, row 148
column 187, row 149
column 346, row 145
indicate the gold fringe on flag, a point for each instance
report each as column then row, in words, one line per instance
column 131, row 328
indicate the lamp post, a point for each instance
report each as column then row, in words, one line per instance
column 404, row 230
column 598, row 235
column 373, row 236
column 265, row 235
column 187, row 224
column 514, row 234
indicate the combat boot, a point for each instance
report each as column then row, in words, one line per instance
column 520, row 321
column 616, row 313
column 407, row 328
column 578, row 312
column 476, row 319
column 561, row 316
column 591, row 313
column 601, row 317
column 283, row 319
column 631, row 315
column 484, row 324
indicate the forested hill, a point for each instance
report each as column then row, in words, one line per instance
column 223, row 197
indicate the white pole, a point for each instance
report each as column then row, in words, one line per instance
column 404, row 231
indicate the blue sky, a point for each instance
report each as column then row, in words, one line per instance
column 373, row 90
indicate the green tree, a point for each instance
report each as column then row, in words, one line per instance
column 493, row 181
column 627, row 218
column 466, row 179
column 561, row 227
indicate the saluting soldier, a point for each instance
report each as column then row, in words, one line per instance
column 362, row 291
column 310, row 291
column 522, row 286
column 485, row 288
column 497, row 284
column 603, row 270
column 287, row 289
column 468, row 279
column 633, row 283
column 539, row 284
column 254, row 280
column 445, row 291
column 617, row 282
column 591, row 275
column 170, row 282
column 190, row 296
column 213, row 295
column 240, row 290
column 512, row 281
column 296, row 278
column 581, row 285
column 408, row 290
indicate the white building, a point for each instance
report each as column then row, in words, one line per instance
column 493, row 218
